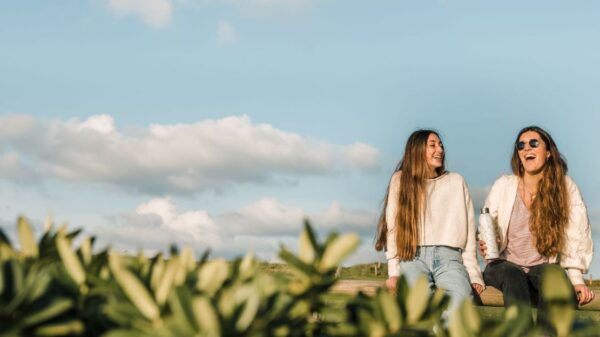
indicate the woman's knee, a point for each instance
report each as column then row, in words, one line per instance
column 503, row 272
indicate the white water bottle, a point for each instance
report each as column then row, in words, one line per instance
column 488, row 234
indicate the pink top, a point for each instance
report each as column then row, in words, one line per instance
column 520, row 248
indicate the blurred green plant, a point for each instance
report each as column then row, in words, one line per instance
column 48, row 287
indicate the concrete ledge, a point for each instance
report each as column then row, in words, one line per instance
column 490, row 297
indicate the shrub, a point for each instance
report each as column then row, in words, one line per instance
column 50, row 288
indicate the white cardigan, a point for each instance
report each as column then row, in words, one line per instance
column 448, row 221
column 576, row 255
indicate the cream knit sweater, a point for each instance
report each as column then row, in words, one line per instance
column 448, row 220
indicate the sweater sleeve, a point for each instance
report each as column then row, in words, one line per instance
column 390, row 217
column 493, row 203
column 469, row 254
column 577, row 252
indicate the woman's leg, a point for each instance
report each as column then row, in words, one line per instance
column 510, row 279
column 535, row 275
column 450, row 274
column 535, row 281
column 418, row 267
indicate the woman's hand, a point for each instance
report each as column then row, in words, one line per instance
column 477, row 287
column 391, row 283
column 482, row 248
column 584, row 294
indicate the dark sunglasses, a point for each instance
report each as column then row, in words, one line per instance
column 533, row 143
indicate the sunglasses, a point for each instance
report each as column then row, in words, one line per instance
column 533, row 143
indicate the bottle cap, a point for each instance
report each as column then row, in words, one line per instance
column 485, row 210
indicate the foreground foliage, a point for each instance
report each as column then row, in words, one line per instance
column 50, row 288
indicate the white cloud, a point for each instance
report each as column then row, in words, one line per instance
column 16, row 126
column 155, row 13
column 197, row 225
column 273, row 7
column 361, row 155
column 226, row 34
column 177, row 158
column 259, row 227
column 260, row 8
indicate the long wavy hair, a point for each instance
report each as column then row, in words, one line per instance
column 550, row 208
column 411, row 201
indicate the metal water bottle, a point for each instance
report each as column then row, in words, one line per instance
column 488, row 234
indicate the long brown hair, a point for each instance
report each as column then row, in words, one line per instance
column 411, row 201
column 550, row 208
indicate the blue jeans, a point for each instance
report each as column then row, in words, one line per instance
column 443, row 267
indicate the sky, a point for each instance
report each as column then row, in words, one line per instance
column 222, row 124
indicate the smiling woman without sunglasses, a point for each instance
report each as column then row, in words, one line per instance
column 542, row 221
column 426, row 225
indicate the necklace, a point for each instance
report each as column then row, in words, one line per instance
column 525, row 193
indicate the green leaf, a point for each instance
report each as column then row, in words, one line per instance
column 29, row 247
column 390, row 311
column 561, row 317
column 48, row 224
column 72, row 327
column 557, row 291
column 308, row 244
column 55, row 308
column 206, row 316
column 338, row 250
column 122, row 333
column 294, row 262
column 181, row 307
column 417, row 299
column 247, row 267
column 249, row 312
column 86, row 251
column 133, row 288
column 166, row 283
column 212, row 275
column 6, row 252
column 187, row 259
column 70, row 260
column 37, row 283
column 226, row 304
column 465, row 321
column 555, row 284
column 157, row 267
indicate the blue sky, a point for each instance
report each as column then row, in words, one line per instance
column 223, row 123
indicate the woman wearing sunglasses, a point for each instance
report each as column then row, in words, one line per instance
column 541, row 219
column 426, row 226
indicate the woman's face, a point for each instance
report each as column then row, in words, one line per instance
column 533, row 152
column 434, row 152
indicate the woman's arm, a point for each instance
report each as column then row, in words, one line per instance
column 469, row 254
column 576, row 255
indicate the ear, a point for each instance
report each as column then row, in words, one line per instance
column 547, row 154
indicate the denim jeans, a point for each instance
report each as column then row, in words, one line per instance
column 444, row 268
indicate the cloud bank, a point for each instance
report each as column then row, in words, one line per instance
column 259, row 227
column 154, row 13
column 175, row 158
column 158, row 14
